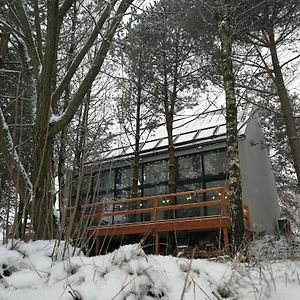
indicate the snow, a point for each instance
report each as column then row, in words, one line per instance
column 37, row 270
column 55, row 118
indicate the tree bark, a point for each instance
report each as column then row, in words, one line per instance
column 234, row 181
column 61, row 168
column 169, row 104
column 42, row 209
column 136, row 161
column 169, row 116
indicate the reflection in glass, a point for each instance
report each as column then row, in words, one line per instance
column 124, row 178
column 104, row 181
column 156, row 172
column 189, row 167
column 156, row 190
column 215, row 163
column 189, row 212
column 122, row 194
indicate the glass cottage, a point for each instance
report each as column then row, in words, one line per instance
column 200, row 150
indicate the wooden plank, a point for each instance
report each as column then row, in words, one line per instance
column 128, row 212
column 204, row 224
column 196, row 224
column 226, row 239
column 163, row 208
column 89, row 217
column 150, row 198
column 190, row 205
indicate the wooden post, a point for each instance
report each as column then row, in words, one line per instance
column 226, row 240
column 154, row 217
column 223, row 204
column 156, row 237
column 97, row 245
column 100, row 213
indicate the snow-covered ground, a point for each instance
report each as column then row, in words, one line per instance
column 36, row 270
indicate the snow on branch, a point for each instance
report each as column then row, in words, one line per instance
column 13, row 163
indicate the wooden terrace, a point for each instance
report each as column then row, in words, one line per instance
column 159, row 214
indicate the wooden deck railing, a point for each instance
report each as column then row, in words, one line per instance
column 160, row 203
column 160, row 213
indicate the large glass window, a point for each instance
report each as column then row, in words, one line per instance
column 124, row 178
column 156, row 190
column 215, row 163
column 194, row 171
column 104, row 181
column 189, row 167
column 156, row 172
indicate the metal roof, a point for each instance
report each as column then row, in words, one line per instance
column 203, row 127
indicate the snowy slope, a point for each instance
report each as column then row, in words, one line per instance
column 36, row 270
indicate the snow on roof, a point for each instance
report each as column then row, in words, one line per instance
column 203, row 127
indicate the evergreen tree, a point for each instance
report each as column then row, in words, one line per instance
column 175, row 69
column 268, row 27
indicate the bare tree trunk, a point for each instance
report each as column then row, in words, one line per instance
column 169, row 105
column 61, row 172
column 8, row 206
column 38, row 186
column 286, row 106
column 136, row 159
column 42, row 208
column 234, row 181
column 79, row 159
column 79, row 152
column 169, row 117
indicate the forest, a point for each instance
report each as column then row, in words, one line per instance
column 74, row 74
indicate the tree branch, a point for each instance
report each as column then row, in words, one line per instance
column 78, row 59
column 270, row 72
column 44, row 99
column 15, row 168
column 23, row 20
column 290, row 60
column 86, row 84
column 37, row 24
column 63, row 9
